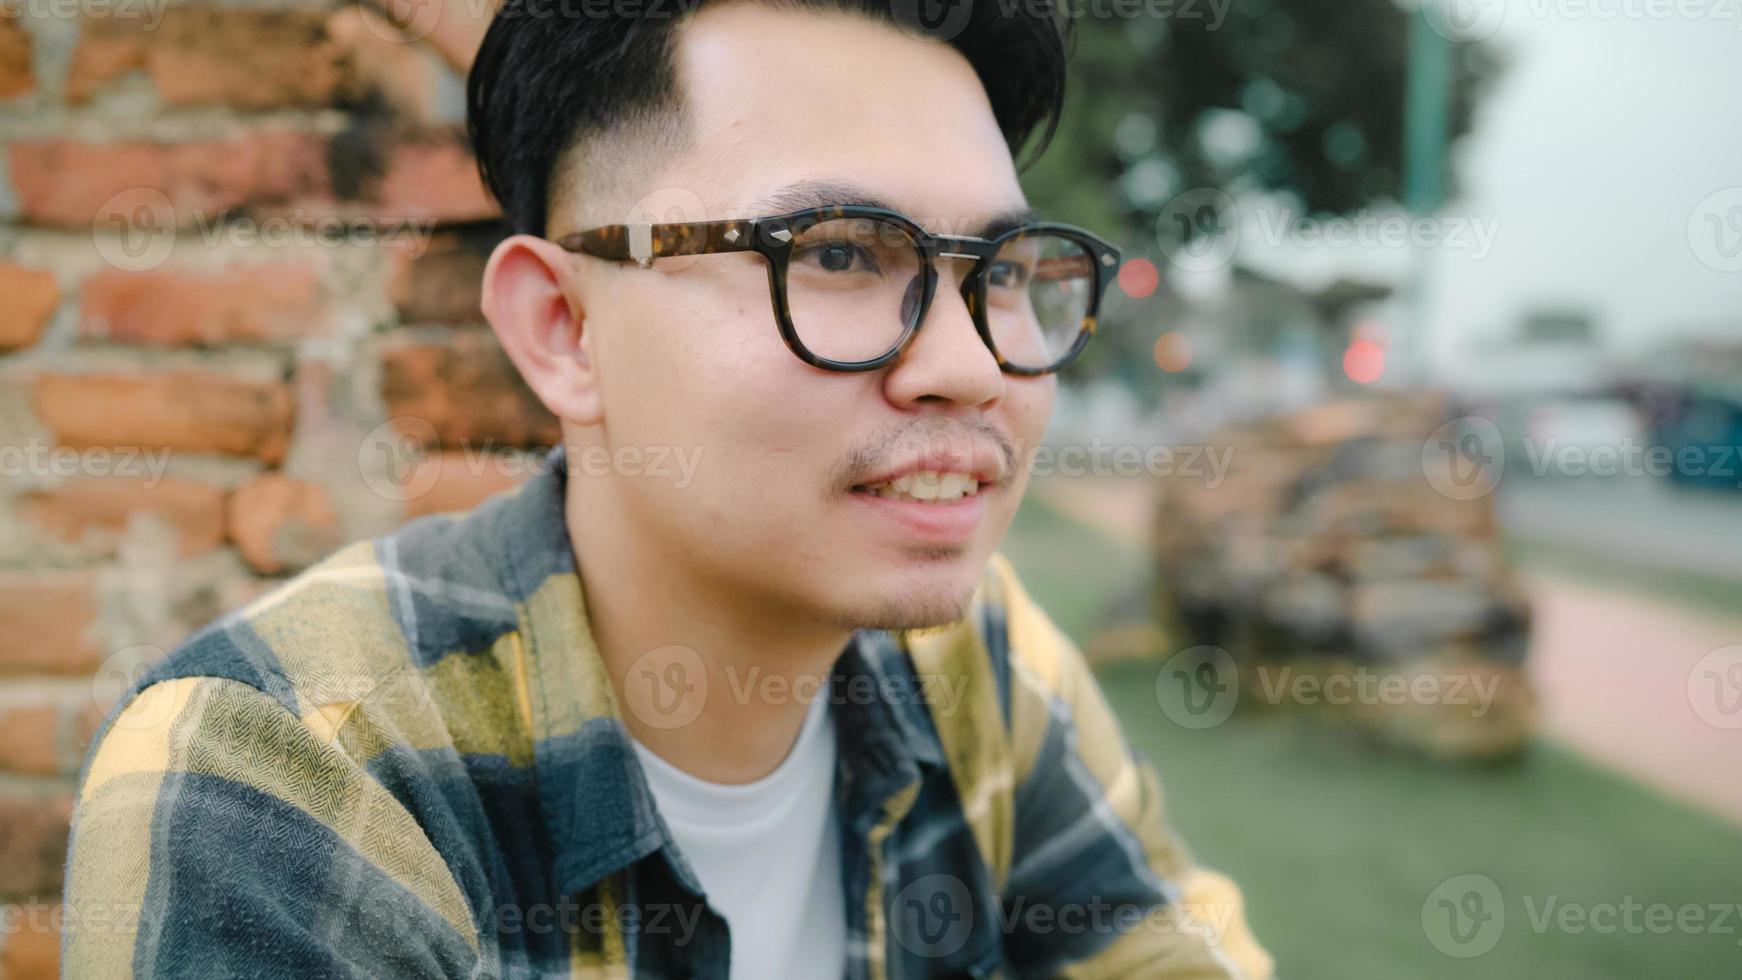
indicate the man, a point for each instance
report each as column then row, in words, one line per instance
column 784, row 714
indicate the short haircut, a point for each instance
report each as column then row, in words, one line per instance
column 553, row 77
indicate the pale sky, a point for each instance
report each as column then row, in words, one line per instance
column 1589, row 160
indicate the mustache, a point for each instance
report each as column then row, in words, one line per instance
column 941, row 433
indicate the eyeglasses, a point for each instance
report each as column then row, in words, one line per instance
column 851, row 284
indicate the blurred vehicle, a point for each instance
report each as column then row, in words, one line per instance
column 1702, row 430
column 1582, row 436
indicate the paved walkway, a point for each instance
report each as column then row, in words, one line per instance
column 1617, row 676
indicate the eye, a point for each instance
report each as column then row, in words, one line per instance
column 1008, row 275
column 837, row 257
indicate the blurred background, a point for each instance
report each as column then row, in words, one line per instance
column 1398, row 501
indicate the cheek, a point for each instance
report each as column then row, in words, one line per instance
column 679, row 356
column 696, row 362
column 1030, row 403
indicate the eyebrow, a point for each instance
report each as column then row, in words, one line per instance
column 818, row 193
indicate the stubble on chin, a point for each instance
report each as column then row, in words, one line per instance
column 917, row 604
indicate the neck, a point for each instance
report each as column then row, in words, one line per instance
column 711, row 679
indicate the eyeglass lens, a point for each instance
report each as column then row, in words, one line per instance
column 853, row 287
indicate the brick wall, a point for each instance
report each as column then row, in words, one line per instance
column 240, row 245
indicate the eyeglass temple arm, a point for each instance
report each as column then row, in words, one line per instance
column 644, row 243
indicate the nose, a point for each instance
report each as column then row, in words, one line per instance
column 946, row 360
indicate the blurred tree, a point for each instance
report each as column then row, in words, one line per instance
column 1299, row 97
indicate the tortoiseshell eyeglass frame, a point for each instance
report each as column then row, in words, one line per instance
column 772, row 237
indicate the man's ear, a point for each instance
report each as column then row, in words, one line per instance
column 528, row 286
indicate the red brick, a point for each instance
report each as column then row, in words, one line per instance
column 103, row 506
column 249, row 59
column 454, row 28
column 31, row 949
column 246, row 302
column 443, row 285
column 31, row 296
column 432, row 175
column 281, row 524
column 191, row 411
column 370, row 173
column 108, row 48
column 16, row 77
column 33, row 844
column 68, row 181
column 407, row 79
column 30, row 740
column 196, row 55
column 456, row 481
column 50, row 619
column 468, row 391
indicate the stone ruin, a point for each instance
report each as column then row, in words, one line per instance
column 1349, row 565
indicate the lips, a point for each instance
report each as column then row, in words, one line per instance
column 936, row 498
column 926, row 485
column 898, row 517
column 936, row 474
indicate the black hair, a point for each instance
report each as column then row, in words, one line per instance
column 553, row 74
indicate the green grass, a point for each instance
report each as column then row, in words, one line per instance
column 1338, row 845
column 1073, row 570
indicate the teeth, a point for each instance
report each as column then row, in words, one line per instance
column 927, row 485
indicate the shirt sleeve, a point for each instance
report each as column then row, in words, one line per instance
column 1099, row 884
column 219, row 835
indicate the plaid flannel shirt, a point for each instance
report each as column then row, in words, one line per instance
column 409, row 762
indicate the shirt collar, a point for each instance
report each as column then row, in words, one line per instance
column 598, row 810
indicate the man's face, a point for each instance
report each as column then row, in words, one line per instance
column 688, row 355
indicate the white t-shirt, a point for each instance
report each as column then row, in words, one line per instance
column 768, row 854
